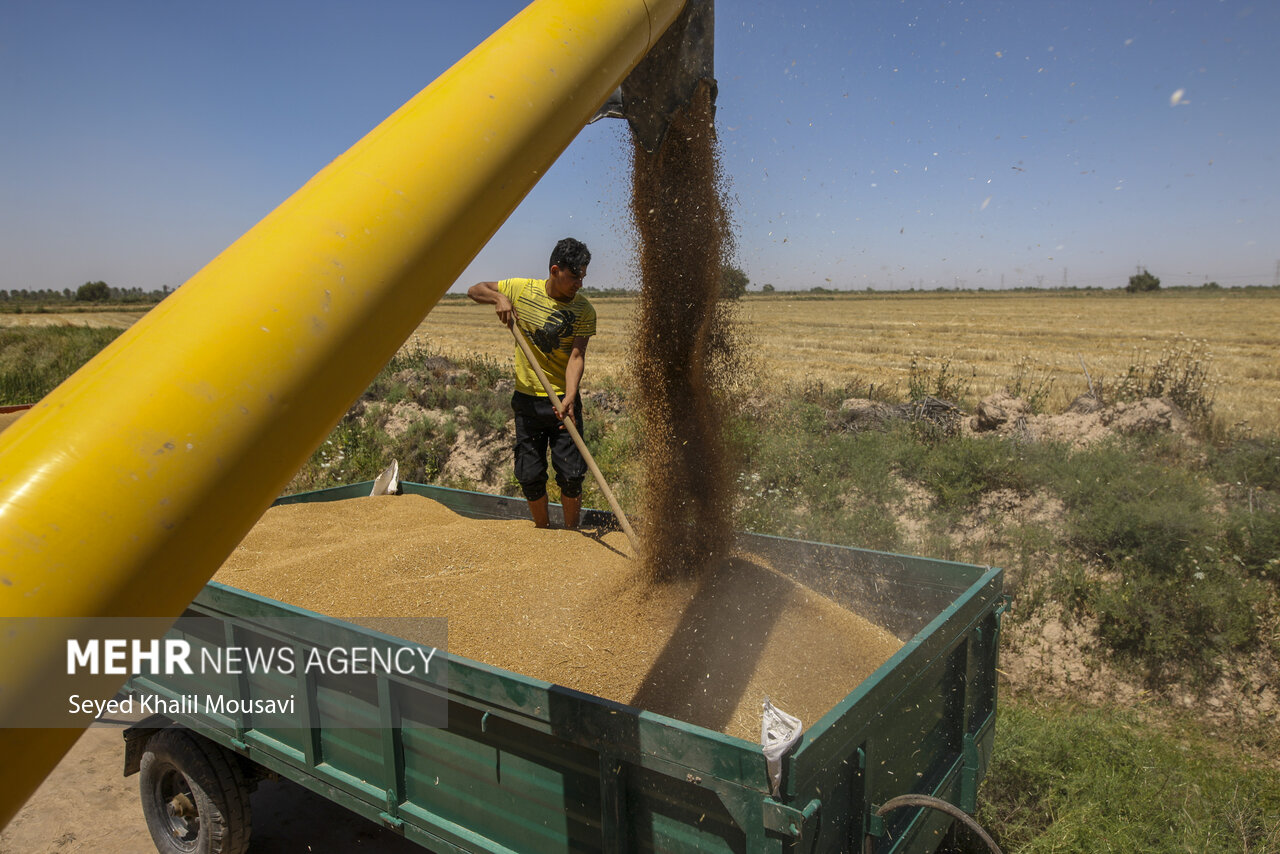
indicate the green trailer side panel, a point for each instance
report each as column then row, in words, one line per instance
column 532, row 795
column 667, row 818
column 527, row 766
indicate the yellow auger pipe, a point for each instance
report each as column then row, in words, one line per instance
column 124, row 490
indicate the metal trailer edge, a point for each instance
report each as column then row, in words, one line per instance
column 525, row 765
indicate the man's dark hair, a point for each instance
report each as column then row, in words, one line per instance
column 571, row 254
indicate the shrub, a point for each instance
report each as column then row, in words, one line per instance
column 1143, row 282
column 1125, row 508
column 1252, row 463
column 934, row 391
column 488, row 419
column 1077, row 778
column 733, row 282
column 1180, row 373
column 819, row 485
column 423, row 450
column 35, row 360
column 1251, row 539
column 485, row 370
column 1032, row 381
column 352, row 453
column 1171, row 603
column 1177, row 625
column 93, row 292
column 959, row 471
column 615, row 443
column 926, row 379
column 831, row 395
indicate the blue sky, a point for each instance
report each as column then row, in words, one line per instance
column 866, row 144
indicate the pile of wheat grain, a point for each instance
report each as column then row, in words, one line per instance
column 570, row 608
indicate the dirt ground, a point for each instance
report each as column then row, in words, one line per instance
column 87, row 805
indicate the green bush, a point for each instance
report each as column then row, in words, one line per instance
column 1143, row 282
column 423, row 450
column 488, row 418
column 351, row 454
column 359, row 448
column 1177, row 627
column 485, row 371
column 831, row 395
column 1251, row 539
column 1125, row 508
column 1248, row 462
column 818, row 485
column 1067, row 778
column 1176, row 595
column 927, row 378
column 1174, row 586
column 93, row 292
column 958, row 472
column 35, row 360
column 615, row 444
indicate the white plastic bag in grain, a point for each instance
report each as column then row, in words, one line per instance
column 779, row 732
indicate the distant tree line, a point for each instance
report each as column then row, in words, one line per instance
column 1142, row 282
column 89, row 292
column 735, row 284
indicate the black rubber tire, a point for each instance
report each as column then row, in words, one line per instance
column 194, row 796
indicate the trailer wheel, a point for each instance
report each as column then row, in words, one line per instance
column 194, row 796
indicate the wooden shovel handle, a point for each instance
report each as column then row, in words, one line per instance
column 577, row 438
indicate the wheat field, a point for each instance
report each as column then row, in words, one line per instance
column 861, row 339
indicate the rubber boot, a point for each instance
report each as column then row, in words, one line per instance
column 572, row 507
column 538, row 510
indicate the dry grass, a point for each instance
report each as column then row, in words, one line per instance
column 94, row 319
column 870, row 338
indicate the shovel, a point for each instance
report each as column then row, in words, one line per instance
column 577, row 438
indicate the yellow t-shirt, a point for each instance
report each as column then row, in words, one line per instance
column 550, row 326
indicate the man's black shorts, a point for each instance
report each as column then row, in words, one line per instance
column 537, row 429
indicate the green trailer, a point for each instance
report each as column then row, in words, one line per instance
column 523, row 765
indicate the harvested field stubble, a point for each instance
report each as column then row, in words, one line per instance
column 121, row 319
column 570, row 609
column 870, row 337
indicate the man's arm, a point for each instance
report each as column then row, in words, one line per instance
column 488, row 293
column 573, row 375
